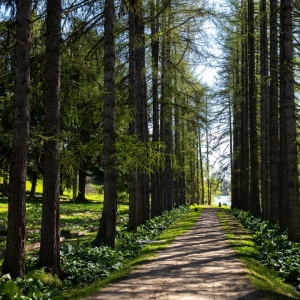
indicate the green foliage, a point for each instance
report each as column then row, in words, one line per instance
column 276, row 251
column 132, row 153
column 85, row 263
column 36, row 285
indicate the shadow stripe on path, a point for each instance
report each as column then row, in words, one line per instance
column 199, row 264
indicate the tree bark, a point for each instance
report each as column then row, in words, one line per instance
column 274, row 113
column 107, row 229
column 254, row 204
column 81, row 185
column 33, row 186
column 155, row 200
column 74, row 187
column 50, row 232
column 236, row 137
column 132, row 126
column 284, row 204
column 265, row 113
column 244, row 158
column 143, row 208
column 201, row 170
column 14, row 261
column 167, row 181
column 208, row 179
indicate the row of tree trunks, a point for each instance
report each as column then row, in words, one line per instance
column 279, row 181
column 139, row 205
column 167, row 181
column 288, row 123
column 163, row 179
column 14, row 262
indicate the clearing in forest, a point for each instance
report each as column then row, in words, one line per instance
column 198, row 265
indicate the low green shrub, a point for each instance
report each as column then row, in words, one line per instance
column 36, row 285
column 276, row 251
column 85, row 263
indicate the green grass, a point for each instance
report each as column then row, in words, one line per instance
column 264, row 279
column 74, row 217
column 179, row 227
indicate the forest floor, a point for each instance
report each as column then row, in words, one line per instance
column 198, row 265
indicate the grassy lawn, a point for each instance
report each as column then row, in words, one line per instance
column 264, row 279
column 179, row 227
column 75, row 217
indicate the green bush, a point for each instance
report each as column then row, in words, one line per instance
column 36, row 285
column 276, row 251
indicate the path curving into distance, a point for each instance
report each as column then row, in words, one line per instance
column 198, row 265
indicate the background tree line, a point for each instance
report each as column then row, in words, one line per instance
column 259, row 83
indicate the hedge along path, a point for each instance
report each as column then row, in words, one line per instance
column 198, row 265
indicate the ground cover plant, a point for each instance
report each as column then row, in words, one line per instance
column 36, row 285
column 85, row 263
column 276, row 251
column 249, row 244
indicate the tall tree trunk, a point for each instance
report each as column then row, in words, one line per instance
column 290, row 122
column 202, row 201
column 244, row 157
column 143, row 206
column 197, row 167
column 167, row 98
column 254, row 174
column 236, row 134
column 107, row 229
column 265, row 113
column 138, row 181
column 284, row 204
column 74, row 186
column 5, row 187
column 236, row 166
column 177, row 154
column 208, row 181
column 81, row 185
column 132, row 126
column 182, row 177
column 14, row 261
column 33, row 186
column 192, row 181
column 162, row 120
column 274, row 113
column 155, row 199
column 230, row 133
column 50, row 231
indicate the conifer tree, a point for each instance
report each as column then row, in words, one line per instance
column 107, row 229
column 49, row 256
column 14, row 262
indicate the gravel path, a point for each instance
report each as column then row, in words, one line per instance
column 197, row 265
